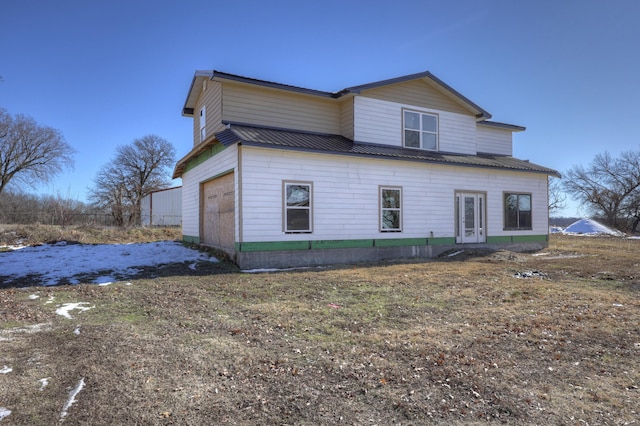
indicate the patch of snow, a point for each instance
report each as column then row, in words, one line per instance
column 77, row 331
column 590, row 227
column 60, row 261
column 104, row 280
column 43, row 383
column 455, row 253
column 35, row 328
column 34, row 296
column 72, row 398
column 258, row 271
column 67, row 307
column 529, row 274
column 6, row 370
column 4, row 413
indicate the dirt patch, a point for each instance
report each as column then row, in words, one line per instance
column 437, row 342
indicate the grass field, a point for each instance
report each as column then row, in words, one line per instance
column 481, row 337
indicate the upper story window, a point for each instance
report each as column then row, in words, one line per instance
column 203, row 124
column 420, row 130
column 517, row 211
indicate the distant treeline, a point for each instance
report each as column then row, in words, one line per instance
column 22, row 208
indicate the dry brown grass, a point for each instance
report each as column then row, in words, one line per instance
column 40, row 234
column 453, row 341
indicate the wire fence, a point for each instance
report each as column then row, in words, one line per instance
column 82, row 219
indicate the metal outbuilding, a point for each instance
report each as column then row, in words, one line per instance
column 162, row 207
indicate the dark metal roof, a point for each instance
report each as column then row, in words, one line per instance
column 336, row 144
column 496, row 124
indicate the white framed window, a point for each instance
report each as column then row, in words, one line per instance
column 297, row 207
column 203, row 124
column 390, row 209
column 517, row 211
column 420, row 130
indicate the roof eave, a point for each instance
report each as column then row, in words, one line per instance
column 190, row 103
column 480, row 113
column 505, row 126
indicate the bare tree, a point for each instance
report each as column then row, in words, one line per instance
column 607, row 186
column 137, row 170
column 30, row 153
column 557, row 197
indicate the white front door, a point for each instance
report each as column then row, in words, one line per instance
column 470, row 217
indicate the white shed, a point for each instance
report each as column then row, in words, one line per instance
column 162, row 207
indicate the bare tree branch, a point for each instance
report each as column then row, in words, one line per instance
column 136, row 170
column 30, row 154
column 608, row 187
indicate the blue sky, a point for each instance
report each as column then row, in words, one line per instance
column 107, row 72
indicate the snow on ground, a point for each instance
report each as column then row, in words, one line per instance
column 55, row 262
column 68, row 307
column 72, row 398
column 4, row 412
column 590, row 227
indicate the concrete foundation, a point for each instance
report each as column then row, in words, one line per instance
column 279, row 259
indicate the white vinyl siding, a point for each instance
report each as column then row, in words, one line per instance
column 494, row 141
column 380, row 122
column 220, row 163
column 268, row 107
column 428, row 195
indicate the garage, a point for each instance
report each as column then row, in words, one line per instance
column 217, row 209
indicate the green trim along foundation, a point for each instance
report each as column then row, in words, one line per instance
column 287, row 254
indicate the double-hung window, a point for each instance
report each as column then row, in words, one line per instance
column 420, row 130
column 297, row 207
column 517, row 211
column 390, row 209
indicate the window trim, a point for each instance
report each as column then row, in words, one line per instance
column 285, row 208
column 203, row 123
column 420, row 131
column 382, row 209
column 505, row 195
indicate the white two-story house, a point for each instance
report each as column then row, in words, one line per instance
column 283, row 176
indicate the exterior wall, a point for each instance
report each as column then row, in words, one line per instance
column 211, row 97
column 210, row 168
column 268, row 107
column 345, row 196
column 163, row 208
column 378, row 121
column 418, row 93
column 346, row 118
column 494, row 141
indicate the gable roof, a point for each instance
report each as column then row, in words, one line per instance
column 339, row 145
column 427, row 76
